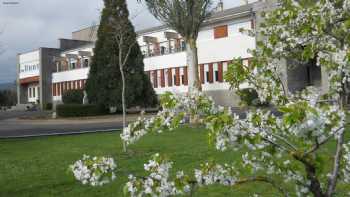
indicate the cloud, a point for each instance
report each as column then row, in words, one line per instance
column 31, row 24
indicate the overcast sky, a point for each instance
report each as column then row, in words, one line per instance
column 30, row 24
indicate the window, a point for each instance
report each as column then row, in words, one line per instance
column 220, row 32
column 162, row 50
column 86, row 63
column 30, row 92
column 208, row 75
column 216, row 75
column 73, row 65
column 183, row 45
column 34, row 92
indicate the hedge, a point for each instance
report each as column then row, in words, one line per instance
column 77, row 110
column 73, row 97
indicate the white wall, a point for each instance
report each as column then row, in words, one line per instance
column 165, row 61
column 210, row 50
column 29, row 64
column 33, row 93
column 70, row 75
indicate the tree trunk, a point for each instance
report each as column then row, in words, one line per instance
column 192, row 61
column 333, row 179
column 123, row 102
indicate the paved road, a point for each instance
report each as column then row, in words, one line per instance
column 16, row 114
column 14, row 128
column 10, row 126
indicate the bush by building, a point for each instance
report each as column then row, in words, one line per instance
column 249, row 97
column 48, row 106
column 73, row 97
column 79, row 110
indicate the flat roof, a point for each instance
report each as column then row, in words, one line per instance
column 226, row 14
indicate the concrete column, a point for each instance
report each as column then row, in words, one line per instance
column 324, row 80
column 18, row 84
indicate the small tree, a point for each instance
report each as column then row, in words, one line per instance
column 104, row 85
column 185, row 17
column 124, row 42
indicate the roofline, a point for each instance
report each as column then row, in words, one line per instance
column 89, row 27
column 37, row 49
column 80, row 47
column 235, row 12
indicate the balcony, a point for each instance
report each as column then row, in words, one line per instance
column 164, row 51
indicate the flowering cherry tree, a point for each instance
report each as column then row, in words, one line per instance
column 95, row 171
column 286, row 147
column 285, row 150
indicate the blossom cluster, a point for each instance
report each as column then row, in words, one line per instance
column 158, row 183
column 95, row 171
column 212, row 173
column 176, row 109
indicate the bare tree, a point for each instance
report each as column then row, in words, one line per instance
column 185, row 17
column 124, row 43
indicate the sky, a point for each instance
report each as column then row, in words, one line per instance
column 26, row 25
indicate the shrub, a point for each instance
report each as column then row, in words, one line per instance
column 78, row 110
column 48, row 106
column 249, row 97
column 73, row 97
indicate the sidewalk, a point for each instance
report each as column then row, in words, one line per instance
column 80, row 120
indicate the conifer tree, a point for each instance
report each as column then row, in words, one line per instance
column 104, row 85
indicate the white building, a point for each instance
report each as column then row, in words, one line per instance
column 44, row 74
column 219, row 41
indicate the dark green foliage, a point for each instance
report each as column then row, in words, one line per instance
column 249, row 97
column 104, row 85
column 8, row 98
column 48, row 106
column 77, row 110
column 73, row 97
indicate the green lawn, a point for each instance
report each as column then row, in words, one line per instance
column 38, row 166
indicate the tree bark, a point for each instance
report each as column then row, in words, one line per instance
column 315, row 185
column 123, row 101
column 192, row 60
column 333, row 179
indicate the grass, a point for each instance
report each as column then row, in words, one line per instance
column 39, row 166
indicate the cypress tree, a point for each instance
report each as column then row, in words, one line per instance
column 104, row 84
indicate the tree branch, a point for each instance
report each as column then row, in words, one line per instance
column 317, row 146
column 265, row 180
column 332, row 181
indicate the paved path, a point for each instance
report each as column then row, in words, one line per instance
column 10, row 128
column 15, row 114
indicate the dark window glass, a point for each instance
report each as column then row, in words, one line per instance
column 86, row 62
column 217, row 75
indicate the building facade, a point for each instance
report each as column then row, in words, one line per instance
column 44, row 74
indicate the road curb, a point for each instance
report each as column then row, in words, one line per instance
column 61, row 133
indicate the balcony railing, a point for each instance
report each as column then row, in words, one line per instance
column 163, row 50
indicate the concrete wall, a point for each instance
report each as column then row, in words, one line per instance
column 47, row 66
column 88, row 34
column 28, row 65
column 66, row 44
